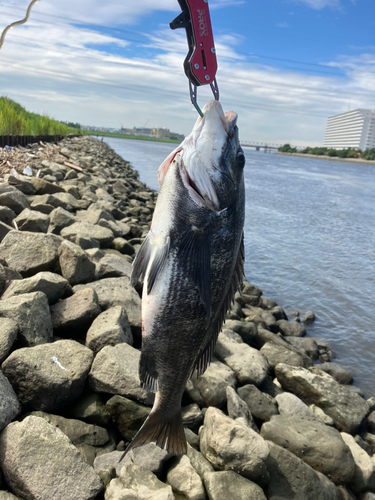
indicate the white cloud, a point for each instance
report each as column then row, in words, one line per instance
column 321, row 4
column 58, row 69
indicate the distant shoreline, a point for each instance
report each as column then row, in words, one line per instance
column 330, row 158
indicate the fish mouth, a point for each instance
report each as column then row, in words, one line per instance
column 201, row 153
column 198, row 156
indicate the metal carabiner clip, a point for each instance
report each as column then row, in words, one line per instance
column 200, row 63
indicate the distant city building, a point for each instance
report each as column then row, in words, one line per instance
column 354, row 129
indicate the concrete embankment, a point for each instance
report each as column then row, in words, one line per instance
column 330, row 158
column 263, row 422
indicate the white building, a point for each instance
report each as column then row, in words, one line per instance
column 354, row 129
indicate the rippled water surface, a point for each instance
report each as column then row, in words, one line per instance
column 309, row 242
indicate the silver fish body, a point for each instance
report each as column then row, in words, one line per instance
column 191, row 265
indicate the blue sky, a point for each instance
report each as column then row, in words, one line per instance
column 284, row 65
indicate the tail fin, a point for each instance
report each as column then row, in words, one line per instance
column 168, row 434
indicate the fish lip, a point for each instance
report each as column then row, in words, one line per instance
column 201, row 199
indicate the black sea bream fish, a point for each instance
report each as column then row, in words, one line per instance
column 191, row 264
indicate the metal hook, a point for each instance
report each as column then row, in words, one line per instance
column 17, row 23
column 193, row 97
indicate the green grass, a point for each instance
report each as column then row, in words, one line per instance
column 128, row 136
column 15, row 120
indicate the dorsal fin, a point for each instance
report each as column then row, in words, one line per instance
column 205, row 356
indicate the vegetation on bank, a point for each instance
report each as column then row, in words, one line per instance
column 368, row 154
column 129, row 136
column 15, row 120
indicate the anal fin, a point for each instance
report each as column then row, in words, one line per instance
column 147, row 374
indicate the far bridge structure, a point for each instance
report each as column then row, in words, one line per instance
column 267, row 147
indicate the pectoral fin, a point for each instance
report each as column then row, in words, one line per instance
column 196, row 254
column 150, row 260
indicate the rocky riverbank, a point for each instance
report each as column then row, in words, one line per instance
column 263, row 422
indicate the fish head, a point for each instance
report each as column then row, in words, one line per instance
column 210, row 159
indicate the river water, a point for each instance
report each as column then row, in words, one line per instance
column 309, row 242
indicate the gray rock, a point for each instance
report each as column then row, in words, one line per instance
column 191, row 438
column 5, row 495
column 306, row 343
column 136, row 483
column 289, row 404
column 31, row 220
column 87, row 243
column 79, row 309
column 119, row 229
column 52, row 285
column 319, row 413
column 21, row 182
column 7, row 275
column 346, row 408
column 197, row 460
column 247, row 331
column 291, row 328
column 29, row 253
column 111, row 327
column 31, row 313
column 113, row 266
column 15, row 200
column 369, row 438
column 370, row 421
column 185, row 480
column 75, row 264
column 48, row 376
column 90, row 440
column 293, row 479
column 115, row 371
column 150, row 457
column 250, row 366
column 276, row 354
column 101, row 234
column 44, row 208
column 117, row 292
column 229, row 485
column 8, row 334
column 122, row 246
column 192, row 417
column 371, row 403
column 7, row 215
column 63, row 200
column 315, row 443
column 212, row 385
column 4, row 230
column 39, row 461
column 128, row 415
column 91, row 409
column 308, row 318
column 9, row 405
column 230, row 445
column 364, row 474
column 337, row 371
column 60, row 218
column 261, row 405
column 44, row 187
column 237, row 408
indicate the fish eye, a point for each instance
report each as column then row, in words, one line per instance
column 240, row 158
